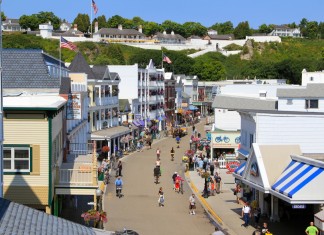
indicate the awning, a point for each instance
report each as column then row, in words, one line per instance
column 110, row 133
column 239, row 170
column 142, row 123
column 136, row 123
column 300, row 182
column 243, row 152
column 192, row 107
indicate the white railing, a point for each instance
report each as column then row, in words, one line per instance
column 81, row 176
column 223, row 162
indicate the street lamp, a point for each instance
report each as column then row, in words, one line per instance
column 99, row 203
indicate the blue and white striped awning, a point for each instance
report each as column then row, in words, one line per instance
column 240, row 169
column 243, row 152
column 296, row 177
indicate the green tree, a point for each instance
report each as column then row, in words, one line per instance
column 223, row 28
column 3, row 16
column 303, row 25
column 151, row 28
column 170, row 26
column 265, row 29
column 209, row 70
column 45, row 17
column 83, row 22
column 102, row 22
column 138, row 21
column 321, row 30
column 29, row 22
column 114, row 21
column 194, row 28
column 312, row 30
column 242, row 30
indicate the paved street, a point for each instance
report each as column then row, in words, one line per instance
column 138, row 209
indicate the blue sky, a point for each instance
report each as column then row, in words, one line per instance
column 206, row 12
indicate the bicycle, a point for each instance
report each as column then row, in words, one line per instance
column 220, row 139
column 126, row 232
column 118, row 191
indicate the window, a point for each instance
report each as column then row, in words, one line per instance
column 311, row 79
column 289, row 101
column 16, row 159
column 311, row 104
column 251, row 140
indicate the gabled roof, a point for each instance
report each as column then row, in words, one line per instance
column 73, row 33
column 168, row 36
column 115, row 31
column 19, row 219
column 80, row 65
column 124, row 105
column 11, row 21
column 101, row 72
column 27, row 68
column 220, row 37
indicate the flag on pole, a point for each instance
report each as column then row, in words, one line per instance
column 66, row 44
column 94, row 6
column 166, row 59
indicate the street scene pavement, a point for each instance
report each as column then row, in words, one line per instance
column 138, row 209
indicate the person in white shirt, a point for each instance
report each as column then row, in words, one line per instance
column 246, row 214
column 192, row 204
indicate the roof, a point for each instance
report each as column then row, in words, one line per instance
column 195, row 37
column 73, row 33
column 169, row 36
column 100, row 71
column 19, row 219
column 27, row 68
column 110, row 133
column 80, row 65
column 244, row 103
column 312, row 90
column 116, row 31
column 221, row 36
column 44, row 102
column 11, row 21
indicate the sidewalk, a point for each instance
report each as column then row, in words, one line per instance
column 222, row 207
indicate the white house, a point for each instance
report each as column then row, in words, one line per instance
column 285, row 31
column 312, row 77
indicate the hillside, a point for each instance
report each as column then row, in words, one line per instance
column 265, row 60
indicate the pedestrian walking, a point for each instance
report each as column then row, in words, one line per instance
column 265, row 229
column 211, row 168
column 158, row 153
column 161, row 197
column 218, row 181
column 246, row 214
column 239, row 193
column 192, row 204
column 311, row 229
column 120, row 168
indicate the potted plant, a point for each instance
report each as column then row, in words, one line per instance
column 95, row 216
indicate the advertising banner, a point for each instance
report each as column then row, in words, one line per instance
column 74, row 107
column 225, row 139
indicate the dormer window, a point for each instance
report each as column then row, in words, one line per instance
column 311, row 104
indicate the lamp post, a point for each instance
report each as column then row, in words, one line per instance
column 99, row 204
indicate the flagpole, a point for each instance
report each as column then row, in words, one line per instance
column 162, row 58
column 90, row 18
column 60, row 61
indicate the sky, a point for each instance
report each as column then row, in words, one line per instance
column 206, row 12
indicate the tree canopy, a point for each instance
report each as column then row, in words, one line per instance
column 33, row 21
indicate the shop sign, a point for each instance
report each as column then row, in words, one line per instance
column 298, row 206
column 73, row 107
column 230, row 139
column 231, row 166
column 254, row 169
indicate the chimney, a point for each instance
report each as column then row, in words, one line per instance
column 140, row 29
column 96, row 26
column 172, row 33
column 164, row 32
column 120, row 27
column 75, row 27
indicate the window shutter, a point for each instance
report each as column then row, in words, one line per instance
column 35, row 160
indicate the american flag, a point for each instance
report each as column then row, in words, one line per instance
column 94, row 6
column 66, row 44
column 166, row 59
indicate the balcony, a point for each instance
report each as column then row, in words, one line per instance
column 106, row 101
column 80, row 169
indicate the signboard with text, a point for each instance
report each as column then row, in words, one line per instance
column 225, row 139
column 74, row 107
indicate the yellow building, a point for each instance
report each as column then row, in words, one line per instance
column 33, row 148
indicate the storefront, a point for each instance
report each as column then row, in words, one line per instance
column 284, row 184
column 224, row 144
